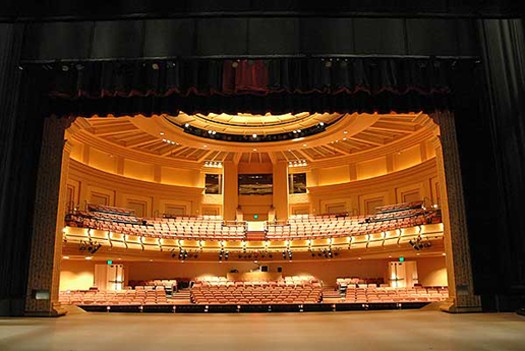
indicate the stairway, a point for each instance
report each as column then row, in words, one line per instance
column 256, row 235
column 182, row 296
column 331, row 295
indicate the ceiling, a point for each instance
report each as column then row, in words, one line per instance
column 344, row 136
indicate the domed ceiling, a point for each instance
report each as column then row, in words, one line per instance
column 309, row 137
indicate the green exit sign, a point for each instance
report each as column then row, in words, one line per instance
column 401, row 259
column 255, row 216
column 109, row 262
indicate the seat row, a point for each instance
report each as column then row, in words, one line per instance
column 340, row 228
column 262, row 294
column 388, row 294
column 399, row 206
column 110, row 209
column 155, row 296
column 197, row 230
column 152, row 284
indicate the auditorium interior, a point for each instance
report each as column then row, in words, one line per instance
column 264, row 160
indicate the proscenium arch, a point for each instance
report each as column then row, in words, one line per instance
column 439, row 98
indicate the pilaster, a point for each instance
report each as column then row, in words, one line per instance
column 460, row 282
column 48, row 221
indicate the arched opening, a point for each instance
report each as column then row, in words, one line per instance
column 431, row 88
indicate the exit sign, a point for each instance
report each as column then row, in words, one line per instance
column 109, row 262
column 401, row 259
column 255, row 216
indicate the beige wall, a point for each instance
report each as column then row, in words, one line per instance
column 88, row 184
column 432, row 271
column 359, row 196
column 325, row 270
column 76, row 275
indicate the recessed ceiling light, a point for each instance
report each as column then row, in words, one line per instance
column 304, row 145
column 88, row 258
column 345, row 132
column 65, row 257
column 161, row 133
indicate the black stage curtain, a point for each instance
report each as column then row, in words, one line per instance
column 500, row 257
column 257, row 86
column 22, row 113
column 151, row 8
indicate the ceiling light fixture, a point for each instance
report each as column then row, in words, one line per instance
column 298, row 163
column 213, row 164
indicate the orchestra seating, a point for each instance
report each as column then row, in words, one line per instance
column 361, row 290
column 257, row 293
column 387, row 218
column 291, row 290
column 139, row 296
column 374, row 294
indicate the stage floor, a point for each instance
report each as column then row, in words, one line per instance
column 358, row 330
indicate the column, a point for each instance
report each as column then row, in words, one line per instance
column 230, row 196
column 280, row 190
column 48, row 221
column 460, row 282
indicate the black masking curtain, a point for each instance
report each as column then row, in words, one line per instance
column 22, row 113
column 257, row 86
column 503, row 43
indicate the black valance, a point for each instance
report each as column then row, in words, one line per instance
column 258, row 86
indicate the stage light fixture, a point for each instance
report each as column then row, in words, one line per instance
column 419, row 244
